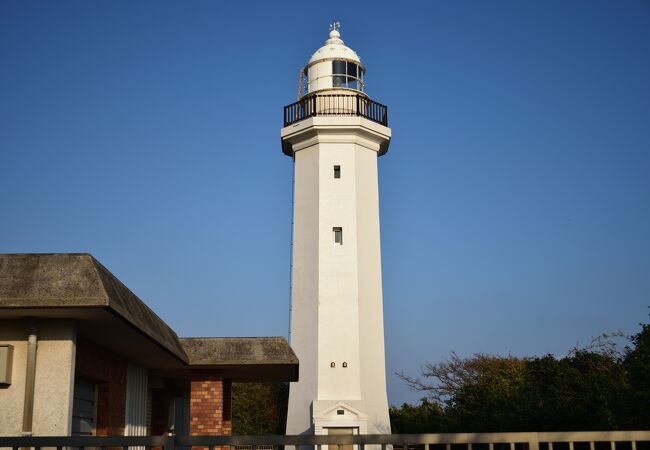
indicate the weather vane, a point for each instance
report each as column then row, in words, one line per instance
column 335, row 26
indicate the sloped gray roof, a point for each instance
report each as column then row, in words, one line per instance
column 76, row 286
column 238, row 350
column 78, row 280
column 244, row 358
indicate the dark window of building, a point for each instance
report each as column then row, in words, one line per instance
column 337, row 171
column 338, row 67
column 338, row 235
column 353, row 84
column 352, row 69
column 347, row 74
column 84, row 408
column 339, row 81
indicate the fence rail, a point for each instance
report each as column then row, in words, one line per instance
column 335, row 105
column 588, row 440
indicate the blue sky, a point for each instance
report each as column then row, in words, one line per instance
column 515, row 197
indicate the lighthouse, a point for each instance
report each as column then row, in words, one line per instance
column 335, row 133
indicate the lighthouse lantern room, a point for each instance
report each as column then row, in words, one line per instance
column 333, row 66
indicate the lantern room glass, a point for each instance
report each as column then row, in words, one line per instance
column 346, row 74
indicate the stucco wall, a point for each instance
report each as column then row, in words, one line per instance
column 304, row 289
column 371, row 310
column 53, row 388
column 337, row 315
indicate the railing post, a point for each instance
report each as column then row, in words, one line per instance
column 169, row 443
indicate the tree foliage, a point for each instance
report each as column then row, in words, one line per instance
column 599, row 387
column 427, row 417
column 637, row 366
column 259, row 408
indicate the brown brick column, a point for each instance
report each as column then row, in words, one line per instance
column 210, row 412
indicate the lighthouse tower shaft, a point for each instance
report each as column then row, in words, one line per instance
column 335, row 134
column 337, row 315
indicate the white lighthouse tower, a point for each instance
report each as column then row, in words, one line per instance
column 335, row 133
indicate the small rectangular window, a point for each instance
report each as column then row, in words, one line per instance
column 337, row 171
column 338, row 235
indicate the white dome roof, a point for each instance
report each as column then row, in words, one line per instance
column 334, row 48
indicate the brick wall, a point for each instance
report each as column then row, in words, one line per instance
column 210, row 395
column 108, row 370
column 210, row 404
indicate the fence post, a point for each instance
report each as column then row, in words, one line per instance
column 533, row 444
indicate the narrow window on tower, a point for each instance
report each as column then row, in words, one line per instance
column 337, row 171
column 338, row 235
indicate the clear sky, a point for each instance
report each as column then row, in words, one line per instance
column 515, row 197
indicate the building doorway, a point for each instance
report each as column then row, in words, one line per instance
column 342, row 431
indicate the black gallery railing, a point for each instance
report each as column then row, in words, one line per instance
column 335, row 105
